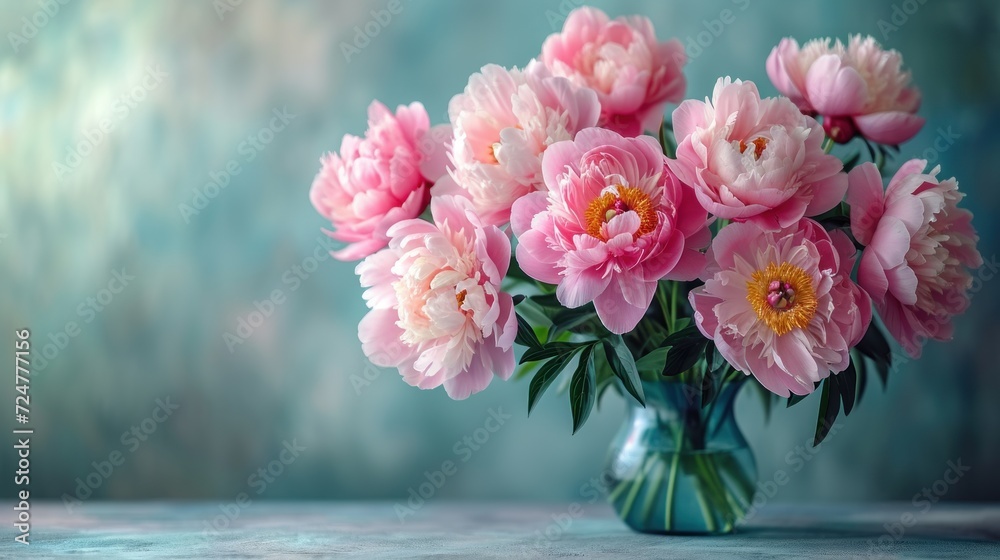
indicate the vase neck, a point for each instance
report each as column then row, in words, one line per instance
column 676, row 410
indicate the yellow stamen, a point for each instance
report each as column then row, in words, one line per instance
column 622, row 199
column 790, row 308
column 758, row 146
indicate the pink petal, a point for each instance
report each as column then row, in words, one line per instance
column 834, row 89
column 892, row 127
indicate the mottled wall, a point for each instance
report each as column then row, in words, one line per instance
column 66, row 231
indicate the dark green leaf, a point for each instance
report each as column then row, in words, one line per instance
column 549, row 350
column 623, row 365
column 683, row 356
column 713, row 357
column 582, row 391
column 847, row 381
column 681, row 336
column 666, row 139
column 711, row 382
column 829, row 409
column 525, row 333
column 546, row 300
column 875, row 346
column 794, row 399
column 571, row 319
column 862, row 366
column 518, row 298
column 545, row 376
column 852, row 161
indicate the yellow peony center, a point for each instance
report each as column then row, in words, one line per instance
column 617, row 201
column 460, row 298
column 782, row 296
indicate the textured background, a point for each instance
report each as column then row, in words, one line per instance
column 62, row 234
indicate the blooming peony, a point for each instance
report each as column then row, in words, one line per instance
column 502, row 124
column 781, row 305
column 858, row 88
column 753, row 159
column 633, row 74
column 919, row 243
column 375, row 181
column 437, row 312
column 613, row 222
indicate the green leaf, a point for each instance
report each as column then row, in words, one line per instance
column 582, row 391
column 862, row 366
column 875, row 346
column 852, row 161
column 518, row 298
column 683, row 356
column 829, row 408
column 680, row 336
column 847, row 381
column 525, row 333
column 652, row 362
column 666, row 139
column 623, row 365
column 711, row 382
column 713, row 357
column 549, row 350
column 570, row 319
column 545, row 376
column 794, row 399
column 546, row 300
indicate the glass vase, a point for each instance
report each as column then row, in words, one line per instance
column 680, row 468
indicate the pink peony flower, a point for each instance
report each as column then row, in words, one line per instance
column 753, row 159
column 375, row 181
column 858, row 88
column 781, row 305
column 919, row 245
column 634, row 75
column 613, row 222
column 437, row 312
column 502, row 124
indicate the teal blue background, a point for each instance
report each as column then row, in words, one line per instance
column 162, row 336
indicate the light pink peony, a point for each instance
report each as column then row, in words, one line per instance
column 437, row 312
column 858, row 88
column 781, row 305
column 502, row 124
column 753, row 159
column 375, row 181
column 613, row 222
column 919, row 245
column 634, row 75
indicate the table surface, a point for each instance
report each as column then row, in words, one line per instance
column 490, row 530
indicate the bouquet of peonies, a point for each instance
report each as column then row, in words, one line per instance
column 727, row 242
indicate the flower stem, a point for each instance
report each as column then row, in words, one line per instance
column 672, row 484
column 827, row 145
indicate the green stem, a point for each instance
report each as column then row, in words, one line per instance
column 636, row 485
column 827, row 145
column 706, row 512
column 647, row 504
column 672, row 484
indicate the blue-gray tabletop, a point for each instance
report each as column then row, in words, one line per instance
column 491, row 530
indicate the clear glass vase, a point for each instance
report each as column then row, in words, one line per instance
column 680, row 468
